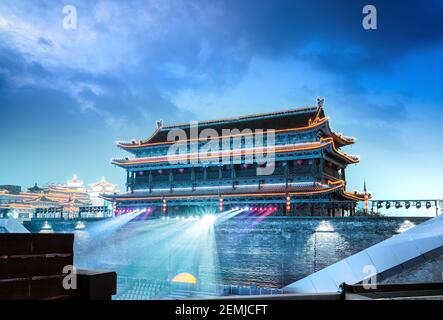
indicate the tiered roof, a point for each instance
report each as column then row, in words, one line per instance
column 322, row 144
column 295, row 189
column 300, row 119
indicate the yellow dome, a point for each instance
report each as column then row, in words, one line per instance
column 185, row 277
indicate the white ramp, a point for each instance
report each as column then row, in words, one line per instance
column 385, row 258
column 13, row 226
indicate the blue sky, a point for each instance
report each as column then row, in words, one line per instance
column 66, row 96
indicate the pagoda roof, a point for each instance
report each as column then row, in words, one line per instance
column 76, row 201
column 323, row 143
column 17, row 206
column 36, row 189
column 42, row 198
column 342, row 140
column 301, row 118
column 296, row 189
column 357, row 196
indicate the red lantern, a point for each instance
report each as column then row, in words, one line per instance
column 288, row 204
column 299, row 162
column 220, row 203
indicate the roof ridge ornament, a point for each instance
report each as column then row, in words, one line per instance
column 159, row 123
column 317, row 118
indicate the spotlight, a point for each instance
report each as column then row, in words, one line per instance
column 397, row 205
column 167, row 218
column 428, row 204
column 79, row 226
column 46, row 226
column 388, row 204
column 177, row 218
column 418, row 205
column 379, row 204
column 163, row 218
column 236, row 208
column 208, row 218
column 407, row 204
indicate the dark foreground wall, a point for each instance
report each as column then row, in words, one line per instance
column 31, row 265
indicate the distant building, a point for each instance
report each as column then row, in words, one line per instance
column 74, row 183
column 69, row 200
column 101, row 187
column 11, row 188
column 37, row 189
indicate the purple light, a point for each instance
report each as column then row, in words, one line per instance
column 141, row 173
